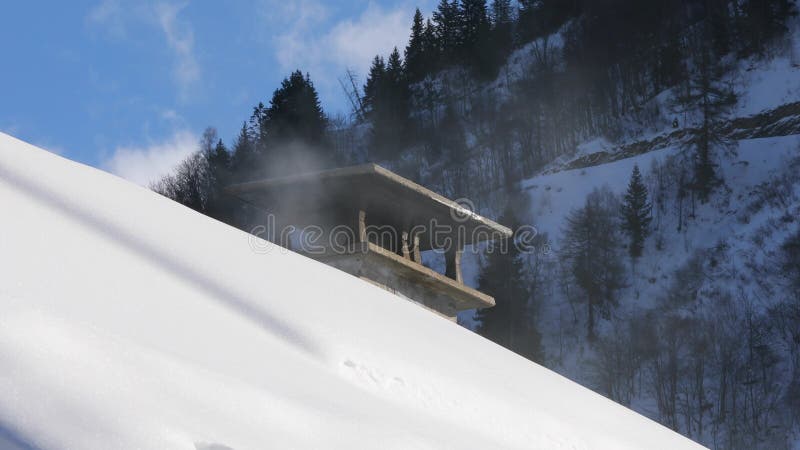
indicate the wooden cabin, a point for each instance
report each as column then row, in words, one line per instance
column 375, row 224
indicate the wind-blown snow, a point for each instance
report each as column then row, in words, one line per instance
column 129, row 321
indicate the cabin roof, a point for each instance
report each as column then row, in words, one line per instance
column 331, row 197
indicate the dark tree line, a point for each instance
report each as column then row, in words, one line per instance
column 616, row 56
column 289, row 135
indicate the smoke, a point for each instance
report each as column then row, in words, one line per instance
column 293, row 157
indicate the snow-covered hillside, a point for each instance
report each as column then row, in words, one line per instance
column 733, row 244
column 757, row 161
column 764, row 135
column 129, row 321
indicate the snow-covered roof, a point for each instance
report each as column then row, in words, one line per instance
column 129, row 321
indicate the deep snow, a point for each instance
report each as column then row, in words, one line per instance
column 129, row 321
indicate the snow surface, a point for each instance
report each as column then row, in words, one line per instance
column 130, row 322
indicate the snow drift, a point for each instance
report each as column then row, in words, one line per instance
column 129, row 321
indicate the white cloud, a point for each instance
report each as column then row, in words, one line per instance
column 355, row 43
column 115, row 19
column 298, row 22
column 180, row 39
column 146, row 164
column 350, row 43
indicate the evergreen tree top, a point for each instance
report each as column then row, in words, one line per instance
column 395, row 63
column 295, row 111
column 637, row 191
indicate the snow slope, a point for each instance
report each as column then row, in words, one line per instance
column 129, row 321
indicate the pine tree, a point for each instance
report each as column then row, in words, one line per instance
column 295, row 113
column 290, row 135
column 220, row 160
column 387, row 99
column 415, row 57
column 219, row 166
column 512, row 321
column 707, row 91
column 475, row 44
column 375, row 82
column 473, row 26
column 255, row 124
column 394, row 69
column 446, row 25
column 245, row 156
column 430, row 47
column 636, row 216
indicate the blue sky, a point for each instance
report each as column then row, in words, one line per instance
column 128, row 86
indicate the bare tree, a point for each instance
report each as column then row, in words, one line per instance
column 350, row 88
column 592, row 252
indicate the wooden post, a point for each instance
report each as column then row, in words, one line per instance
column 361, row 235
column 452, row 258
column 417, row 256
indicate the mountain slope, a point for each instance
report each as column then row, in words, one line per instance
column 132, row 322
column 718, row 266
